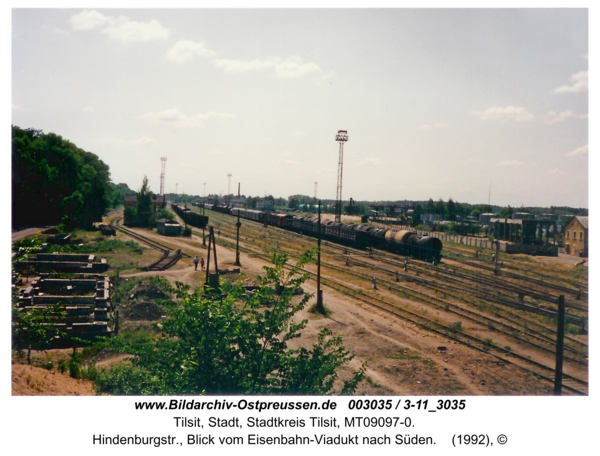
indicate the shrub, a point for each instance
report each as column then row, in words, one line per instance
column 234, row 344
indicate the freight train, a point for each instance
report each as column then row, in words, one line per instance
column 190, row 217
column 358, row 236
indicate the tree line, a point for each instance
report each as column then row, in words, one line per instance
column 55, row 181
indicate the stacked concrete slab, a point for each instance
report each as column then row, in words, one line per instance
column 85, row 299
column 65, row 262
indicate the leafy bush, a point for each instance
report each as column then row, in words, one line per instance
column 234, row 344
column 101, row 246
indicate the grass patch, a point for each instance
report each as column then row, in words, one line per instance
column 326, row 311
column 100, row 245
column 372, row 382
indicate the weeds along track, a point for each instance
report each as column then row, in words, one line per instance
column 529, row 334
column 577, row 292
column 537, row 273
column 529, row 328
column 491, row 281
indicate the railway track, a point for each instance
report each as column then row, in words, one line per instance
column 170, row 256
column 571, row 383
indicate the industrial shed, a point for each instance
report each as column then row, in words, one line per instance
column 168, row 227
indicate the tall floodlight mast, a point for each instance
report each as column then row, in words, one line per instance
column 341, row 137
column 162, row 175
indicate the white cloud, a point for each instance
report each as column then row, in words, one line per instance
column 88, row 20
column 176, row 118
column 553, row 117
column 291, row 67
column 17, row 107
column 298, row 134
column 579, row 84
column 89, row 109
column 555, row 171
column 242, row 66
column 579, row 152
column 120, row 28
column 184, row 50
column 509, row 163
column 369, row 161
column 471, row 160
column 517, row 114
column 144, row 141
column 431, row 127
column 294, row 67
column 61, row 31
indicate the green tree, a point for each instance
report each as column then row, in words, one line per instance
column 166, row 214
column 236, row 344
column 417, row 213
column 430, row 207
column 440, row 208
column 293, row 203
column 452, row 212
column 51, row 178
column 507, row 212
column 34, row 329
column 144, row 203
column 130, row 215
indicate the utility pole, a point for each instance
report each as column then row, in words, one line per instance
column 203, row 213
column 320, row 306
column 341, row 137
column 560, row 339
column 237, row 241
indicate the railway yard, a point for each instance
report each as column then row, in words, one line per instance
column 452, row 328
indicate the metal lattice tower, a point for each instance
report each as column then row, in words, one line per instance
column 162, row 175
column 341, row 137
column 316, row 191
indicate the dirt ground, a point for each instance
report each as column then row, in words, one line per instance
column 402, row 359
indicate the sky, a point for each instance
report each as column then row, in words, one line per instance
column 438, row 103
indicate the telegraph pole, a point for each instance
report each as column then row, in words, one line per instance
column 560, row 340
column 237, row 242
column 320, row 307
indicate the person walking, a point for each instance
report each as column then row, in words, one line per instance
column 196, row 263
column 202, row 263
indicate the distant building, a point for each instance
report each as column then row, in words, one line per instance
column 546, row 217
column 521, row 215
column 485, row 219
column 159, row 202
column 576, row 237
column 237, row 201
column 168, row 227
column 430, row 218
column 264, row 204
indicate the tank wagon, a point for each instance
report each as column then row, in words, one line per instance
column 403, row 242
column 190, row 217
